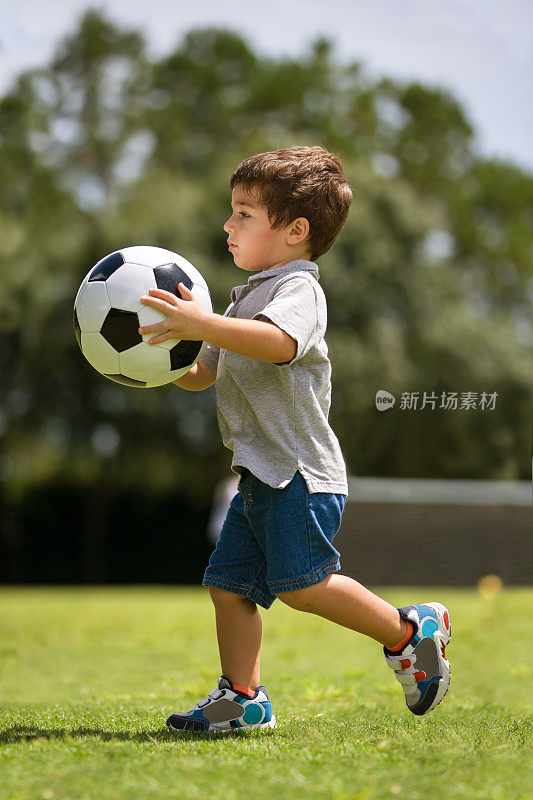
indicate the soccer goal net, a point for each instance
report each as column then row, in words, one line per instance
column 398, row 531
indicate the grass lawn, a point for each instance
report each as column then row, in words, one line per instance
column 88, row 677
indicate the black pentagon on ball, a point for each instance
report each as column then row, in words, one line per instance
column 184, row 353
column 125, row 381
column 77, row 328
column 121, row 329
column 106, row 267
column 167, row 277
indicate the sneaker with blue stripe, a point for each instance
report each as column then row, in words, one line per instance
column 421, row 666
column 226, row 709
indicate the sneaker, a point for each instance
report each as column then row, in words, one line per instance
column 226, row 709
column 421, row 666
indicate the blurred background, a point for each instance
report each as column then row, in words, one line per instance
column 121, row 126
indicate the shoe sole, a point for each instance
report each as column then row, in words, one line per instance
column 443, row 634
column 258, row 726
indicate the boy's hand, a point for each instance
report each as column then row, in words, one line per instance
column 184, row 319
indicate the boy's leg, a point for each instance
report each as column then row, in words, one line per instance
column 348, row 603
column 414, row 637
column 238, row 702
column 239, row 634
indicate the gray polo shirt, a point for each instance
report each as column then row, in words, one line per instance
column 274, row 417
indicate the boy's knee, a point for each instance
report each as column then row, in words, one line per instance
column 221, row 597
column 299, row 599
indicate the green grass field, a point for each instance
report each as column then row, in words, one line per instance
column 88, row 677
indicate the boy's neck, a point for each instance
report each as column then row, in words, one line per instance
column 288, row 260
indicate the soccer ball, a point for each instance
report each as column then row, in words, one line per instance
column 108, row 312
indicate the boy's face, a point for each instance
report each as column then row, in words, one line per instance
column 252, row 241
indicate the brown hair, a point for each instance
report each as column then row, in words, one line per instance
column 300, row 182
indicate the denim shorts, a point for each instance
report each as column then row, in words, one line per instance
column 275, row 540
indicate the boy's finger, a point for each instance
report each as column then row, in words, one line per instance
column 155, row 302
column 162, row 338
column 185, row 292
column 156, row 327
column 162, row 294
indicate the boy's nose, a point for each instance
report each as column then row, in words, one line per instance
column 228, row 226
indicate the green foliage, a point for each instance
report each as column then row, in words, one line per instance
column 89, row 677
column 429, row 284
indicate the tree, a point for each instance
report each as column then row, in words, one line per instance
column 429, row 285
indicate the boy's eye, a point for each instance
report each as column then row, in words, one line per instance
column 244, row 214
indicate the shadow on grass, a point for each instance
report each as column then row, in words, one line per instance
column 23, row 734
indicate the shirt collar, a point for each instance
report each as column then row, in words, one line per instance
column 300, row 265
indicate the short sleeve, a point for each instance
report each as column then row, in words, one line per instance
column 210, row 357
column 298, row 307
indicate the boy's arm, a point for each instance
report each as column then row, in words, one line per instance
column 196, row 379
column 186, row 319
column 253, row 338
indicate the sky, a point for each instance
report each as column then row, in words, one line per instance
column 481, row 50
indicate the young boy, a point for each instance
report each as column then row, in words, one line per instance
column 269, row 360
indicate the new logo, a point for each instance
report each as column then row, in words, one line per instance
column 384, row 400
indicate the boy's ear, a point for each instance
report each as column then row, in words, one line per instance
column 298, row 231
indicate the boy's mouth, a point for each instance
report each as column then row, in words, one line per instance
column 231, row 245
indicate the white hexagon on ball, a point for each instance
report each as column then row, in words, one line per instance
column 99, row 353
column 149, row 316
column 92, row 306
column 204, row 298
column 168, row 377
column 128, row 284
column 144, row 362
column 151, row 256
